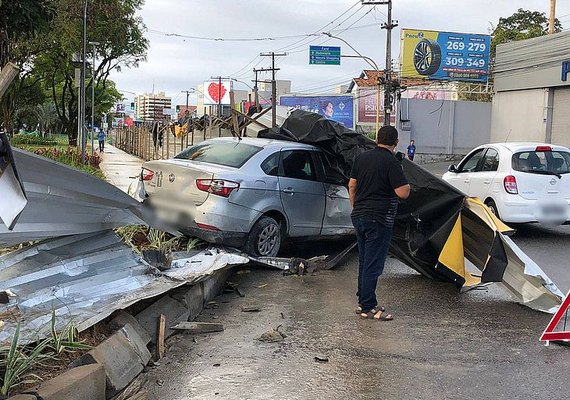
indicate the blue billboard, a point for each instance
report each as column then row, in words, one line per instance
column 445, row 55
column 337, row 108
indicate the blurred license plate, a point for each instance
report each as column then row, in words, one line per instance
column 554, row 209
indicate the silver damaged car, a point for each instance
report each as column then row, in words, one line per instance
column 250, row 193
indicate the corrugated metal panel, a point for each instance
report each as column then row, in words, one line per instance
column 65, row 201
column 561, row 117
column 84, row 278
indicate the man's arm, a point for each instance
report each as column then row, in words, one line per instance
column 403, row 192
column 351, row 191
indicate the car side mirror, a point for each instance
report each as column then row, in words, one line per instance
column 452, row 168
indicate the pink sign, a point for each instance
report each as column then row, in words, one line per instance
column 367, row 107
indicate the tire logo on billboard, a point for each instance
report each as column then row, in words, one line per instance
column 427, row 57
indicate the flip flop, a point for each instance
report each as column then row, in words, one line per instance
column 358, row 309
column 377, row 314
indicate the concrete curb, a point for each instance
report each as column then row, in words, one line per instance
column 110, row 367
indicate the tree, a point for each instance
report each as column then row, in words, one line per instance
column 112, row 23
column 523, row 24
column 21, row 20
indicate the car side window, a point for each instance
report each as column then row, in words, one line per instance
column 471, row 162
column 271, row 165
column 298, row 164
column 490, row 161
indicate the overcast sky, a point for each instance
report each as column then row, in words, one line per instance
column 176, row 63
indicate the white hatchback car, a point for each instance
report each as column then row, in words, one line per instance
column 519, row 182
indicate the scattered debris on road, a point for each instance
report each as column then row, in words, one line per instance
column 321, row 359
column 194, row 328
column 272, row 336
column 252, row 308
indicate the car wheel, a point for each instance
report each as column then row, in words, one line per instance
column 493, row 207
column 264, row 238
column 427, row 57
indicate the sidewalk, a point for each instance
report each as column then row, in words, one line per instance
column 121, row 169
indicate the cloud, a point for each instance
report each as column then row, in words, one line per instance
column 176, row 64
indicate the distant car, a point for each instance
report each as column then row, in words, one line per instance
column 519, row 182
column 250, row 193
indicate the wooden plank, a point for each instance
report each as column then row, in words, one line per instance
column 198, row 327
column 160, row 336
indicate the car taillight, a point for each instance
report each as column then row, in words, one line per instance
column 218, row 187
column 543, row 148
column 147, row 174
column 510, row 183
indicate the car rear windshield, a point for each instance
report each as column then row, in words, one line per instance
column 230, row 154
column 542, row 162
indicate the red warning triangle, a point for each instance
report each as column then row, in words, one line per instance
column 549, row 334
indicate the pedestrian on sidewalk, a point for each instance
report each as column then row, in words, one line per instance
column 411, row 150
column 377, row 182
column 101, row 137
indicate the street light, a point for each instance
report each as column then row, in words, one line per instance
column 93, row 44
column 82, row 87
column 373, row 64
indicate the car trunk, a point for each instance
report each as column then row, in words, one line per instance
column 176, row 179
column 533, row 186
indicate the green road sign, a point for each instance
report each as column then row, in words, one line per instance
column 324, row 55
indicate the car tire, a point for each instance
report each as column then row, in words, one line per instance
column 493, row 207
column 427, row 57
column 264, row 239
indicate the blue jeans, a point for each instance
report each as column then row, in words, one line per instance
column 373, row 245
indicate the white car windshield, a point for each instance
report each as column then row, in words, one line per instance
column 542, row 162
column 230, row 154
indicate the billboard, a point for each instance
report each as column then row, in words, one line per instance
column 217, row 93
column 367, row 107
column 337, row 108
column 445, row 55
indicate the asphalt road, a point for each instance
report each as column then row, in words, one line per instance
column 441, row 345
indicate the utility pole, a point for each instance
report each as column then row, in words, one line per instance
column 82, row 82
column 255, row 89
column 389, row 25
column 93, row 98
column 273, row 85
column 552, row 17
column 219, row 113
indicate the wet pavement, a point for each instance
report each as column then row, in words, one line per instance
column 441, row 345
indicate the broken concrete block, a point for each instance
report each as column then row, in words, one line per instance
column 215, row 283
column 122, row 357
column 175, row 311
column 123, row 318
column 82, row 383
column 193, row 298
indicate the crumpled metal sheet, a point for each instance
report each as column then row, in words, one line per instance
column 65, row 201
column 85, row 278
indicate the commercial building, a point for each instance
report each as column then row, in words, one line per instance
column 150, row 106
column 532, row 99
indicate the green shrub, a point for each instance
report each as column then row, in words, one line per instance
column 71, row 156
column 23, row 139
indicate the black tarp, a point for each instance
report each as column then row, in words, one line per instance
column 424, row 220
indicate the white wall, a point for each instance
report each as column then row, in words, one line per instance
column 519, row 116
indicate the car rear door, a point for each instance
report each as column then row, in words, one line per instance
column 302, row 195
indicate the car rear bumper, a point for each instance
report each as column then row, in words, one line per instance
column 231, row 239
column 522, row 211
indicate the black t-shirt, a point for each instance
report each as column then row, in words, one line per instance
column 377, row 173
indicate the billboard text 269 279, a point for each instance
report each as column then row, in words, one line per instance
column 445, row 55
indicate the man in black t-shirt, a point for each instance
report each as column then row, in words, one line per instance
column 377, row 182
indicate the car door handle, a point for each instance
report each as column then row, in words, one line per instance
column 289, row 190
column 486, row 181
